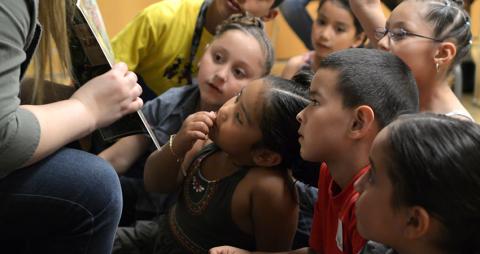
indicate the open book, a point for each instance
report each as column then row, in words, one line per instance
column 92, row 55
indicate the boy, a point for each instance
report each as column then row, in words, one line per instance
column 354, row 94
column 164, row 42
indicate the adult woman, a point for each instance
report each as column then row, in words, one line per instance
column 54, row 199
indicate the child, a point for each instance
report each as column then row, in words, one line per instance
column 422, row 196
column 162, row 43
column 239, row 53
column 236, row 190
column 431, row 36
column 335, row 28
column 354, row 94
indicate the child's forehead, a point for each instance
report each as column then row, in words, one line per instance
column 323, row 79
column 409, row 11
column 252, row 97
column 242, row 45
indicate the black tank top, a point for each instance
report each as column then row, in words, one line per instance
column 202, row 217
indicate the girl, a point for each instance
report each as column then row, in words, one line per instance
column 336, row 28
column 54, row 199
column 236, row 190
column 416, row 204
column 430, row 36
column 239, row 53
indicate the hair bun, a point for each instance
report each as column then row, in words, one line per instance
column 455, row 2
column 303, row 78
column 244, row 19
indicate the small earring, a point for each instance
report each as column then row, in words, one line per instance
column 437, row 66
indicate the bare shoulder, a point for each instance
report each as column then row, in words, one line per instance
column 268, row 182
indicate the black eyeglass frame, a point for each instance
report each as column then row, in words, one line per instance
column 381, row 32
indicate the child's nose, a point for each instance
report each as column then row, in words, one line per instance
column 324, row 33
column 221, row 74
column 384, row 43
column 299, row 116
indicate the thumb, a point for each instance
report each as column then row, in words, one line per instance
column 121, row 67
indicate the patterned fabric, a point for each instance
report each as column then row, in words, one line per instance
column 159, row 43
column 202, row 217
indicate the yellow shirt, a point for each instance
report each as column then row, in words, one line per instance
column 156, row 44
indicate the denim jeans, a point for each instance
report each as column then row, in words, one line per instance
column 70, row 202
column 298, row 19
column 307, row 195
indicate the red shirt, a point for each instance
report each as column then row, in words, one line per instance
column 334, row 228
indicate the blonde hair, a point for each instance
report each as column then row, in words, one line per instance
column 52, row 15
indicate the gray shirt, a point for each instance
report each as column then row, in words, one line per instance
column 166, row 112
column 19, row 129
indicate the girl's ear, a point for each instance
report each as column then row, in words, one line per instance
column 359, row 40
column 362, row 121
column 445, row 53
column 266, row 158
column 272, row 13
column 417, row 223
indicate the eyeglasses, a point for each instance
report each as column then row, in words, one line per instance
column 398, row 34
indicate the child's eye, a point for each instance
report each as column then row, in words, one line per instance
column 217, row 57
column 239, row 73
column 314, row 102
column 237, row 117
column 340, row 29
column 321, row 22
column 398, row 34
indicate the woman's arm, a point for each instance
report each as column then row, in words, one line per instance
column 98, row 103
column 370, row 15
column 163, row 167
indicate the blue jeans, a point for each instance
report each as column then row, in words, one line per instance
column 69, row 202
column 307, row 195
column 298, row 19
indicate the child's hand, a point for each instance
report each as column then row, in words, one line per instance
column 196, row 126
column 110, row 95
column 227, row 250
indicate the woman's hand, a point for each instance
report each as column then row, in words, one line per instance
column 110, row 95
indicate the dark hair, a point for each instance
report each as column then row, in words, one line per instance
column 345, row 4
column 375, row 78
column 435, row 164
column 276, row 3
column 284, row 99
column 450, row 22
column 252, row 26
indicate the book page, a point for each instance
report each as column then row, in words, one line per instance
column 92, row 55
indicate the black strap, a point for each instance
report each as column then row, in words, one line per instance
column 197, row 35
